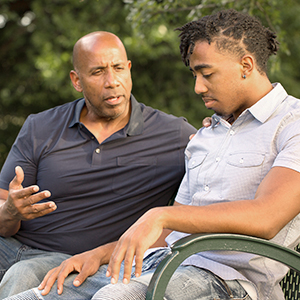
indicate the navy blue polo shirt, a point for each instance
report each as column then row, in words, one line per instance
column 99, row 189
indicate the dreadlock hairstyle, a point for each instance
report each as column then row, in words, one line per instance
column 233, row 32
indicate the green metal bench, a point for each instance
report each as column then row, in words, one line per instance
column 290, row 284
column 230, row 242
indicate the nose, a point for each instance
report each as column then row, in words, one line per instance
column 200, row 87
column 110, row 79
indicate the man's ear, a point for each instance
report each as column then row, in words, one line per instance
column 129, row 64
column 75, row 81
column 247, row 65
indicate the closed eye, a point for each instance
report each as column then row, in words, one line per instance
column 98, row 71
column 119, row 67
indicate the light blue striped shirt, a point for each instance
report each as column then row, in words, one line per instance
column 228, row 162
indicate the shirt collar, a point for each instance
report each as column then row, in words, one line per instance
column 263, row 108
column 135, row 125
column 266, row 106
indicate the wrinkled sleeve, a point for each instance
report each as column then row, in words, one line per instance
column 21, row 154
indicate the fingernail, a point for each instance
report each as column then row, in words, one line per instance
column 137, row 275
column 113, row 281
column 125, row 280
column 52, row 205
column 76, row 282
column 107, row 274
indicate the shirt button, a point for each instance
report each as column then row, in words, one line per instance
column 241, row 160
column 206, row 188
column 97, row 150
column 218, row 159
column 231, row 132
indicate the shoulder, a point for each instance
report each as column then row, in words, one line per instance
column 288, row 113
column 157, row 118
column 55, row 117
column 52, row 113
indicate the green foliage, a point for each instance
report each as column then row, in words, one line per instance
column 35, row 49
column 37, row 37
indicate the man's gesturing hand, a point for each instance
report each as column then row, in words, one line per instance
column 21, row 202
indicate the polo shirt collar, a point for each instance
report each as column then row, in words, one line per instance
column 136, row 121
column 135, row 125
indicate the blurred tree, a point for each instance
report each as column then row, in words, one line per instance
column 279, row 16
column 37, row 37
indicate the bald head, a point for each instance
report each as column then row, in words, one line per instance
column 88, row 44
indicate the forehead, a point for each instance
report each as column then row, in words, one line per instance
column 207, row 54
column 101, row 53
column 106, row 55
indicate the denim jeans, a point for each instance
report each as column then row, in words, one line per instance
column 91, row 285
column 23, row 267
column 188, row 283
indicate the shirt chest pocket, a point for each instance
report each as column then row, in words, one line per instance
column 246, row 160
column 196, row 161
column 242, row 175
column 134, row 174
column 194, row 166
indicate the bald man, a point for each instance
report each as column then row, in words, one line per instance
column 78, row 175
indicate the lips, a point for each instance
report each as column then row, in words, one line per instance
column 113, row 100
column 208, row 101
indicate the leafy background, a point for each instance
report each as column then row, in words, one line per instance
column 37, row 37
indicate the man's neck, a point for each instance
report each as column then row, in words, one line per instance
column 102, row 128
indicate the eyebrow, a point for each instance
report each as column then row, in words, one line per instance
column 200, row 67
column 104, row 67
column 98, row 67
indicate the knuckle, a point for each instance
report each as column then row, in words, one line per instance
column 115, row 260
column 35, row 209
column 127, row 260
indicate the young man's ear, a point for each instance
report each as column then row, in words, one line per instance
column 75, row 81
column 247, row 65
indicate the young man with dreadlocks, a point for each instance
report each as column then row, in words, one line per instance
column 242, row 174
